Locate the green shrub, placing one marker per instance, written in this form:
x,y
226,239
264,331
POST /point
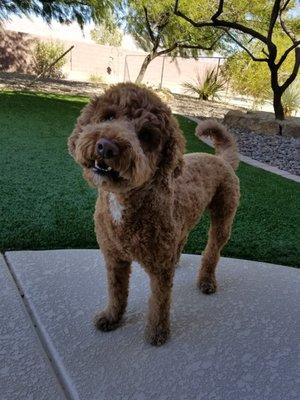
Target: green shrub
x,y
206,88
251,78
248,78
96,79
165,94
291,99
107,34
45,53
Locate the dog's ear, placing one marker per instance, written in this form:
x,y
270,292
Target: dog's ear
x,y
85,118
172,154
73,139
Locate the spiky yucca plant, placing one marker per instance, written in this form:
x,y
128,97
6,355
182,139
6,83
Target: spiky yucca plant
x,y
291,99
206,88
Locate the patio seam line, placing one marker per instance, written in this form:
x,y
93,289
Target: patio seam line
x,y
49,350
251,161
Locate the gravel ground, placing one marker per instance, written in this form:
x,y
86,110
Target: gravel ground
x,y
282,152
278,151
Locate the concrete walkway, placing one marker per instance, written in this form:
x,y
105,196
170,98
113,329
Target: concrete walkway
x,y
239,344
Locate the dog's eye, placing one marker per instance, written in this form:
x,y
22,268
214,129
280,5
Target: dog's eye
x,y
145,135
109,116
149,137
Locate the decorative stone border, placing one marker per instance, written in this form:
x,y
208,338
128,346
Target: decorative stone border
x,y
253,162
261,121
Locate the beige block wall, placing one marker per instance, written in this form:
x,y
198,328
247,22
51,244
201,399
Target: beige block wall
x,y
172,72
88,59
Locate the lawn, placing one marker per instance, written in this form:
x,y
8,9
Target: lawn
x,y
45,203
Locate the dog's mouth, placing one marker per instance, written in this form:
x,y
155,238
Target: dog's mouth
x,y
102,169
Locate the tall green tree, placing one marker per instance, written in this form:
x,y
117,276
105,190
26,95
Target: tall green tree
x,y
252,78
107,33
64,11
158,32
252,26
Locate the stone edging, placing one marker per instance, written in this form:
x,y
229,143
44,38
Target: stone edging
x,y
251,161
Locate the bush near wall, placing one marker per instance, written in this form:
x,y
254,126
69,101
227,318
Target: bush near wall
x,y
44,54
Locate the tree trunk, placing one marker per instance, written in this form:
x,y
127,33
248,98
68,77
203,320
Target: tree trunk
x,y
144,67
277,104
277,92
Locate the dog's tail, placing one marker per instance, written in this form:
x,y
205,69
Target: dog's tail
x,y
224,142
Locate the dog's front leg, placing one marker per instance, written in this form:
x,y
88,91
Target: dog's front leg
x,y
158,321
118,273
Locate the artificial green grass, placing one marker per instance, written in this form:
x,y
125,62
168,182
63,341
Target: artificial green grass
x,y
46,204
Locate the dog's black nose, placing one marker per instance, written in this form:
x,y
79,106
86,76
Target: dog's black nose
x,y
107,148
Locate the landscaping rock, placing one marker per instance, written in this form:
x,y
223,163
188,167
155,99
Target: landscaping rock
x,y
291,127
262,122
251,122
279,151
264,139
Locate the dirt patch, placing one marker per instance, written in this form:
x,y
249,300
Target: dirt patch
x,y
180,104
25,82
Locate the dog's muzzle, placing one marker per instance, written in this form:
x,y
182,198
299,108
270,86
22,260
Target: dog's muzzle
x,y
106,148
102,169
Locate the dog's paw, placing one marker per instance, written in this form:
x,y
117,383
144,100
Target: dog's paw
x,y
157,336
207,285
104,323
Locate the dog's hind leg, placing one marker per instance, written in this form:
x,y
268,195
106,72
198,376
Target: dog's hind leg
x,y
118,273
222,211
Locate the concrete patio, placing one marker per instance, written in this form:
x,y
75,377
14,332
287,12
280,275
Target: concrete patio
x,y
239,344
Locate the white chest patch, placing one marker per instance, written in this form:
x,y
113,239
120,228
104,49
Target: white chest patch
x,y
116,209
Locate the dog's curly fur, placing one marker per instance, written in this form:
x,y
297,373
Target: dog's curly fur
x,y
154,196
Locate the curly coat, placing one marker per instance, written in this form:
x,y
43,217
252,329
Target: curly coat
x,y
151,196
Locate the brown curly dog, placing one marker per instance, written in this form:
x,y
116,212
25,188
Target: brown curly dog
x,y
151,195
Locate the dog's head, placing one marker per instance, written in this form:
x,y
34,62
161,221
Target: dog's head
x,y
125,138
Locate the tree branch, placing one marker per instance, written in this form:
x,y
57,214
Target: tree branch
x,y
283,25
284,5
148,25
286,53
245,48
155,39
274,16
219,11
223,24
194,46
188,46
198,46
164,22
156,44
265,53
168,50
293,75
